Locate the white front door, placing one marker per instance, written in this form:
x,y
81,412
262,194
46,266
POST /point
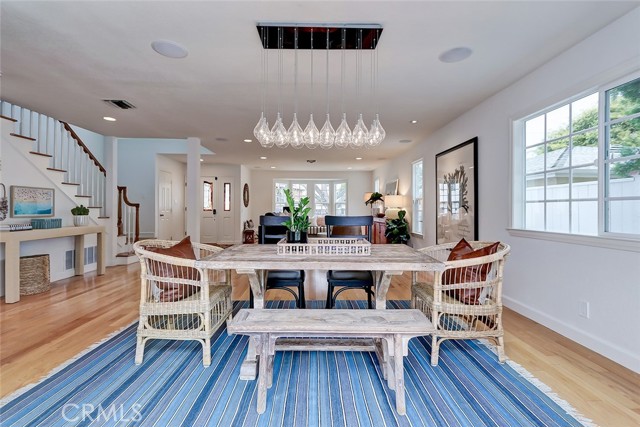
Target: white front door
x,y
209,208
165,206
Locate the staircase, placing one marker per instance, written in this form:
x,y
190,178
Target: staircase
x,y
57,152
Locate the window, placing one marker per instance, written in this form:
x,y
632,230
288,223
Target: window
x,y
376,185
416,184
577,165
207,196
227,196
325,197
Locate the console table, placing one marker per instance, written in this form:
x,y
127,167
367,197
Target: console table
x,y
12,240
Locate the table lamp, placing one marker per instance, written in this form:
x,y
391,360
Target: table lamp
x,y
394,204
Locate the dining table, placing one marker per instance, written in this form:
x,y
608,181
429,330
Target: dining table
x,y
254,261
384,261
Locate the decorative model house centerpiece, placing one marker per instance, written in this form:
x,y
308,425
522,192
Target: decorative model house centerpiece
x,y
80,216
298,222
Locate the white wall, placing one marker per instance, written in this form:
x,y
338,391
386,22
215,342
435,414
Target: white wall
x,y
261,188
544,280
137,171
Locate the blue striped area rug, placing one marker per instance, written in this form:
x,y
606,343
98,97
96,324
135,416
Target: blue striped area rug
x,y
103,387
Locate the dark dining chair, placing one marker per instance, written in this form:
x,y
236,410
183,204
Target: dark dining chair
x,y
353,227
270,232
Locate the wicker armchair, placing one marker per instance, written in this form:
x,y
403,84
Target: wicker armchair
x,y
465,300
179,301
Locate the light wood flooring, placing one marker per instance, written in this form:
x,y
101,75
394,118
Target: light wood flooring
x,y
42,331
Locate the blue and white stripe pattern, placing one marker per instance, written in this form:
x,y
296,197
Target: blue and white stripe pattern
x,y
172,388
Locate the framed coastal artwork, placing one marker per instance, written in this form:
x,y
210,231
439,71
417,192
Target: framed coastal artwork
x,y
456,193
32,202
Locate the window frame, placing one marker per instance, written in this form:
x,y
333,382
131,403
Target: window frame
x,y
517,225
417,217
311,185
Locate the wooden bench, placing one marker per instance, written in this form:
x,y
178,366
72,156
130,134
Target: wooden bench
x,y
387,332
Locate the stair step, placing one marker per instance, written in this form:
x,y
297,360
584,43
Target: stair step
x,y
40,154
22,136
8,118
104,217
94,207
56,170
82,195
125,254
69,183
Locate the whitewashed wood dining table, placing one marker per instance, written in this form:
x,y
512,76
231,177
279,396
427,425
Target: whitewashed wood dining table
x,y
385,261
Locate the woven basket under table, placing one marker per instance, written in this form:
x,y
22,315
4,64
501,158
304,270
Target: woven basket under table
x,y
34,274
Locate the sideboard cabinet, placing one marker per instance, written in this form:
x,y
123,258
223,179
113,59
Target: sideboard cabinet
x,y
379,228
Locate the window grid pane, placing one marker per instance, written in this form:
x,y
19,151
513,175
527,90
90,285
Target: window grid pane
x,y
417,182
560,158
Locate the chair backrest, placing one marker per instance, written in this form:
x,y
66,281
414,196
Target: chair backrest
x,y
271,229
349,226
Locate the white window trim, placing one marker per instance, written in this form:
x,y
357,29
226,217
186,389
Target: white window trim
x,y
413,214
310,191
604,239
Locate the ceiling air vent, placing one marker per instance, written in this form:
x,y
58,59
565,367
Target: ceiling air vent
x,y
119,103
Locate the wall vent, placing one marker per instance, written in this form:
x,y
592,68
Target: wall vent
x,y
120,103
69,259
90,257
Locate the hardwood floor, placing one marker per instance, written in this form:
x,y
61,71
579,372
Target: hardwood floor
x,y
42,331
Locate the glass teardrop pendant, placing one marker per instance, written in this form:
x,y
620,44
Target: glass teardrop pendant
x,y
256,130
296,135
279,133
360,134
343,133
327,134
381,132
311,134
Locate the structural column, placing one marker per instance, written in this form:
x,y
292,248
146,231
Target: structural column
x,y
111,198
193,189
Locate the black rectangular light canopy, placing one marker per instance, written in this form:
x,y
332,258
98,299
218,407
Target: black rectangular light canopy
x,y
356,36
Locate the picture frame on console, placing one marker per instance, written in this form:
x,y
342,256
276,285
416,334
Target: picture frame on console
x,y
32,202
456,193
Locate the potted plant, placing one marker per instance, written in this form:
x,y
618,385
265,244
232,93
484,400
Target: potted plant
x,y
398,229
374,200
298,222
80,215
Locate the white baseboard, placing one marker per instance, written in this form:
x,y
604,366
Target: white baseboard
x,y
609,350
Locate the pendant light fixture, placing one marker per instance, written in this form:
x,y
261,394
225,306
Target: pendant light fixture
x,y
343,37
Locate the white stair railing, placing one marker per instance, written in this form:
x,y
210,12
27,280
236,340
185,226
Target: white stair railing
x,y
67,152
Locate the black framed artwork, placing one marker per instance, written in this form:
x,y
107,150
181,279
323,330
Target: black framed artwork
x,y
456,193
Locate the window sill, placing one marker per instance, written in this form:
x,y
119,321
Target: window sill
x,y
631,245
417,234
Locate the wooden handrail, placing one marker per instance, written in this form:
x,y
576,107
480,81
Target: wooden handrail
x,y
122,197
84,147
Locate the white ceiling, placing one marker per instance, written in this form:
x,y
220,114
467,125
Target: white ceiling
x,y
63,58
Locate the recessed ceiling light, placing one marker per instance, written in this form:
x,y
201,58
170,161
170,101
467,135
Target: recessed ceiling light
x,y
358,158
109,119
263,158
349,167
404,141
456,54
202,160
169,49
413,122
273,167
248,140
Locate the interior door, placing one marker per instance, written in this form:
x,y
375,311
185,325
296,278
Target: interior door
x,y
209,207
165,206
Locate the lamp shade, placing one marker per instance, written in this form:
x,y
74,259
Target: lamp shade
x,y
394,203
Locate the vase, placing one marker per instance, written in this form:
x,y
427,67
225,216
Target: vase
x,y
296,237
80,220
